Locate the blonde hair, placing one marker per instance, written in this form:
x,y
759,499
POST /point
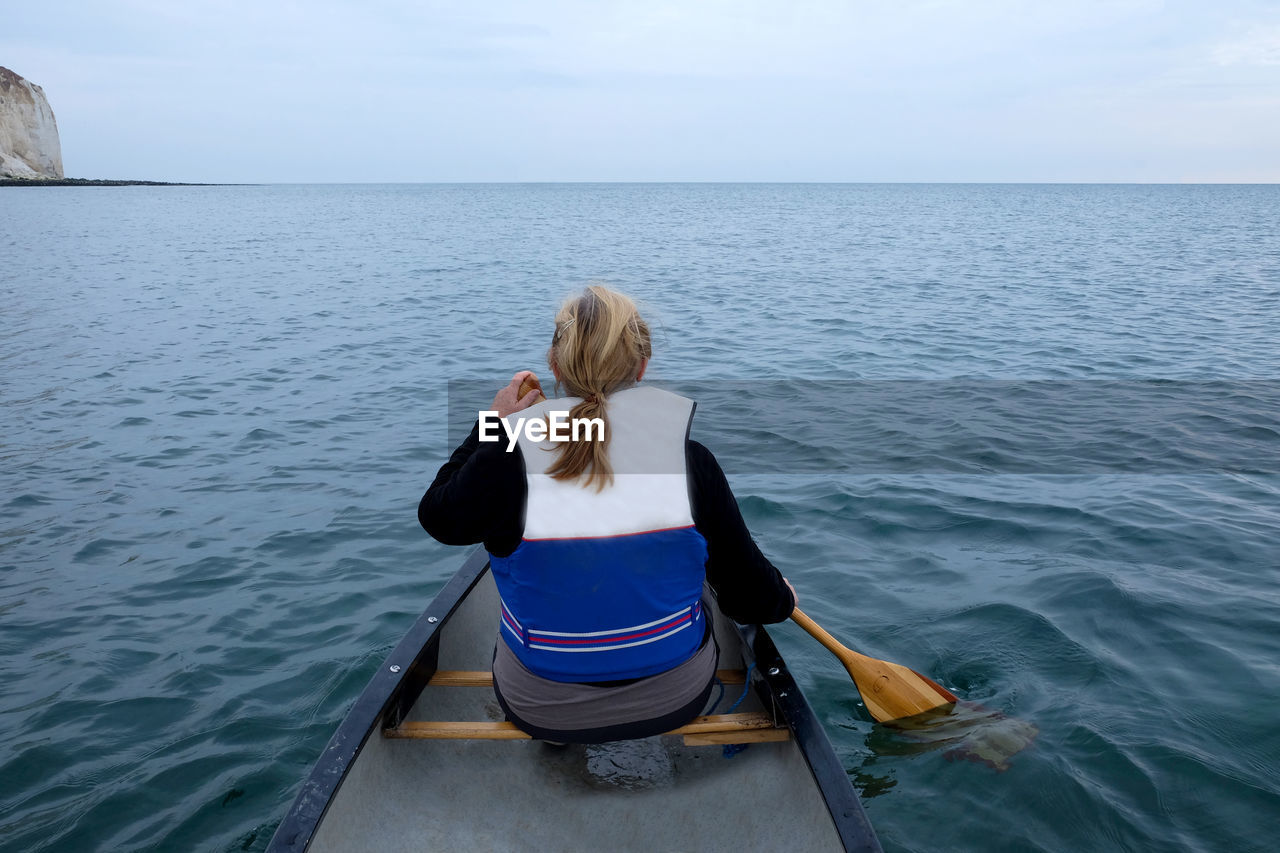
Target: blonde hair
x,y
599,345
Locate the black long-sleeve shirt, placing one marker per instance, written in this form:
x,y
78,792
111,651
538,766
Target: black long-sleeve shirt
x,y
479,496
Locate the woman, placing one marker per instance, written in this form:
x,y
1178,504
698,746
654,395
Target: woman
x,y
600,548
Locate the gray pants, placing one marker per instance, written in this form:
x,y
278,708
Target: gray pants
x,y
589,713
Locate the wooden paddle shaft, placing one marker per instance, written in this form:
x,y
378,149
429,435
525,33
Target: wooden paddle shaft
x,y
530,382
820,634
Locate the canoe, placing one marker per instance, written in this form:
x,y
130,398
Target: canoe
x,y
425,760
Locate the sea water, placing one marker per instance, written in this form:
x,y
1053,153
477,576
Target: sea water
x,y
1020,438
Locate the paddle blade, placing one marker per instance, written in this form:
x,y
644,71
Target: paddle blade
x,y
892,692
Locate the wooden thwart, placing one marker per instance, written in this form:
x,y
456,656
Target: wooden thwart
x,y
754,727
484,678
769,735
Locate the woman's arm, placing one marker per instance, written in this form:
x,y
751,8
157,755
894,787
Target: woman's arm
x,y
477,496
748,587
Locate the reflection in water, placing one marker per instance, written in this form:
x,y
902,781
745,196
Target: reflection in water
x,y
869,784
631,765
968,732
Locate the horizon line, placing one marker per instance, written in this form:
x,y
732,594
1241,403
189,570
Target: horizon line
x,y
37,181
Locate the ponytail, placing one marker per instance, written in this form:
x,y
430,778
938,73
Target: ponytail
x,y
599,346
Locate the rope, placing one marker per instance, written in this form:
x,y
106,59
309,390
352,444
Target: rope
x,y
746,687
719,696
732,749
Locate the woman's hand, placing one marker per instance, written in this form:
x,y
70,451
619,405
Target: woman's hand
x,y
794,594
508,401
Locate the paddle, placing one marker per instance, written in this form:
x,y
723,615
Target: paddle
x,y
889,690
530,382
926,712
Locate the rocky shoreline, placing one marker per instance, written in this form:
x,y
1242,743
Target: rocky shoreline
x,y
91,182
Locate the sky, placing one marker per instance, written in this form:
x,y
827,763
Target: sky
x,y
592,90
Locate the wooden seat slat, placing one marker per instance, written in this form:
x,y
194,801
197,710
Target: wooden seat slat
x,y
484,678
714,729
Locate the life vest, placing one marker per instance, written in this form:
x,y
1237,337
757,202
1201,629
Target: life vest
x,y
607,585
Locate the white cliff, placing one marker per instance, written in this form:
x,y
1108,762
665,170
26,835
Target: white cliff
x,y
29,146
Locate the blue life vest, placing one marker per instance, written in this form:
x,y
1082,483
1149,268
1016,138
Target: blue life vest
x,y
607,585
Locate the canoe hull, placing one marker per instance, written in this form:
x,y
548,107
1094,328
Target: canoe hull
x,y
371,792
